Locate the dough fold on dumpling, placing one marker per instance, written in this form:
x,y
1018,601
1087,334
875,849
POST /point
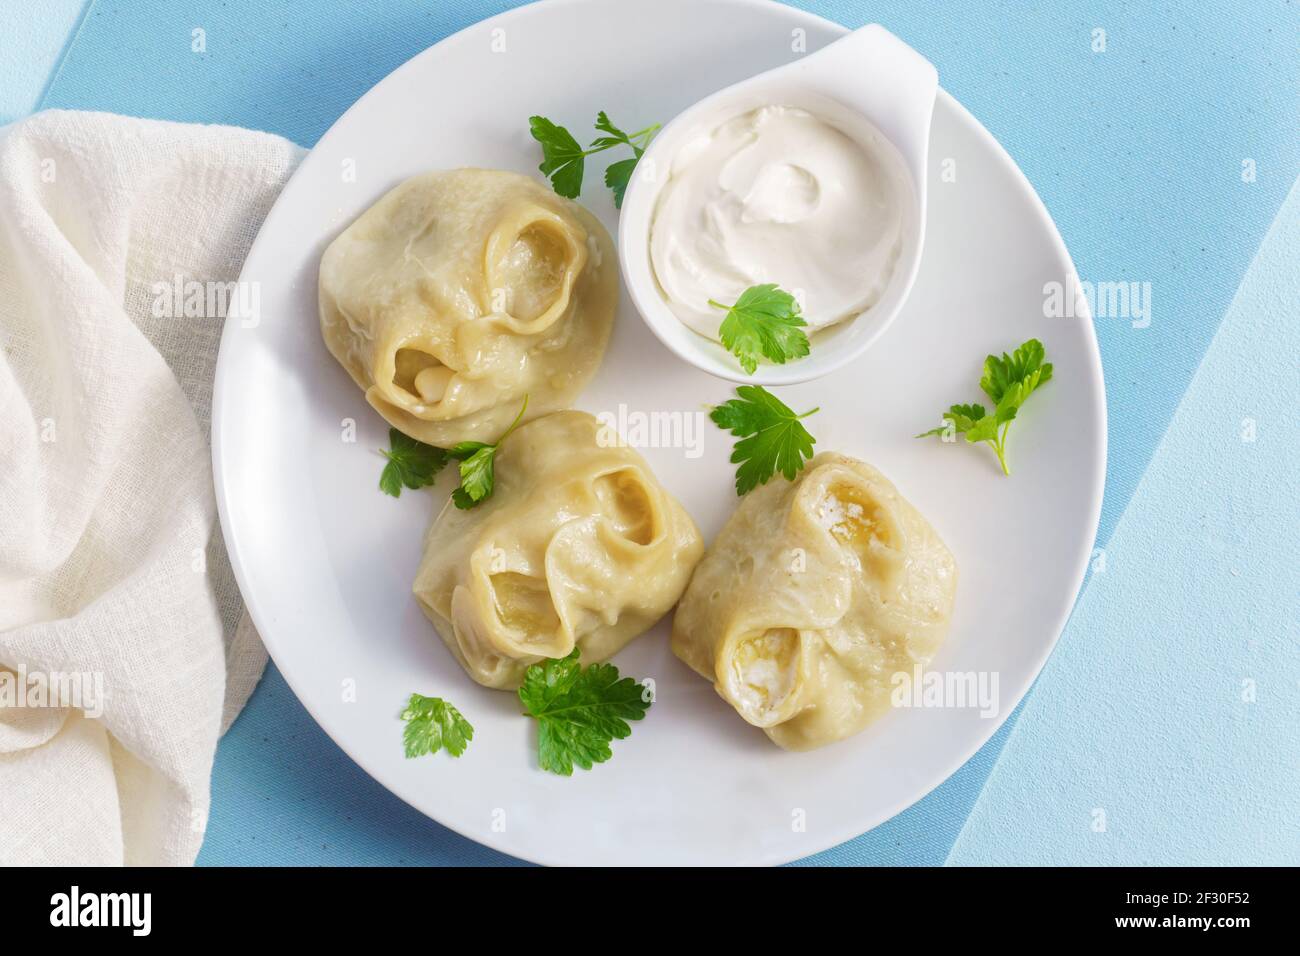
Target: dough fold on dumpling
x,y
815,593
459,292
579,545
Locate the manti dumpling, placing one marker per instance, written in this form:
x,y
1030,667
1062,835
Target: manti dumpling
x,y
815,593
578,545
459,292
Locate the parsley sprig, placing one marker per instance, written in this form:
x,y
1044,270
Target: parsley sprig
x,y
564,159
433,724
477,460
579,711
1007,381
773,437
411,464
763,323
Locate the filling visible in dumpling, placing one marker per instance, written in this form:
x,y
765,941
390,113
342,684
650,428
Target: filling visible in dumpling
x,y
805,649
460,292
859,523
421,374
578,546
764,669
533,258
625,503
523,604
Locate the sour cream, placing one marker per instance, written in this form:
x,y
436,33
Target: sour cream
x,y
776,195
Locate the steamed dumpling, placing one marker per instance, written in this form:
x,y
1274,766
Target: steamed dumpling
x,y
579,545
459,292
815,593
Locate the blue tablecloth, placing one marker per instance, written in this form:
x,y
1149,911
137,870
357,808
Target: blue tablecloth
x,y
1138,125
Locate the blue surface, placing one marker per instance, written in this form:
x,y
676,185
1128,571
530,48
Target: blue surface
x,y
30,49
1191,753
1137,152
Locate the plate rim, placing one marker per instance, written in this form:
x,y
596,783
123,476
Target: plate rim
x,y
834,836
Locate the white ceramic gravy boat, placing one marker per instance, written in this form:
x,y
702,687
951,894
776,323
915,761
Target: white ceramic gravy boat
x,y
871,86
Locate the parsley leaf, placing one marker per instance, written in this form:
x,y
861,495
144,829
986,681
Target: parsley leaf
x,y
617,176
411,464
773,437
579,711
616,135
1023,371
562,157
477,477
959,419
1008,381
431,725
564,160
477,472
764,323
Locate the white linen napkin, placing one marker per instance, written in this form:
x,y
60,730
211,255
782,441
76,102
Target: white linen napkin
x,y
116,595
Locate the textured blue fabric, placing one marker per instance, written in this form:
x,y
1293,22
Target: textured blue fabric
x,y
1137,151
30,48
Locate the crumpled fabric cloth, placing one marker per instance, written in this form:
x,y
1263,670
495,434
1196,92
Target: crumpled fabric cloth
x,y
125,651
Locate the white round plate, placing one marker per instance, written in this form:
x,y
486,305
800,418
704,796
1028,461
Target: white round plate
x,y
325,561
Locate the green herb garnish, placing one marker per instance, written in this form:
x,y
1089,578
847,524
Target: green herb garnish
x,y
579,711
477,476
1007,381
763,323
773,437
564,159
433,724
411,464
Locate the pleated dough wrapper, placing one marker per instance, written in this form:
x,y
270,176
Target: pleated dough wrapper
x,y
815,593
578,545
459,292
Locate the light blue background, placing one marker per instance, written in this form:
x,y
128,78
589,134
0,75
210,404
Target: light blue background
x,y
1137,152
